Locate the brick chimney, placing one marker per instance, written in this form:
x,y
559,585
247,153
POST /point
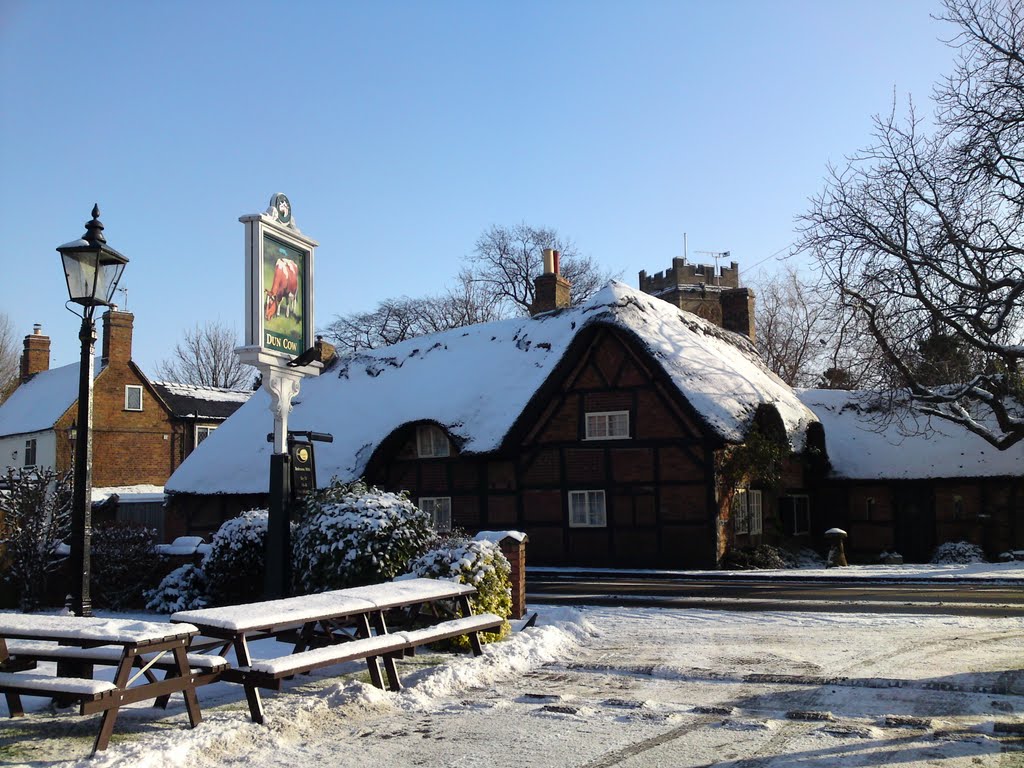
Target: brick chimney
x,y
36,356
551,290
117,336
738,311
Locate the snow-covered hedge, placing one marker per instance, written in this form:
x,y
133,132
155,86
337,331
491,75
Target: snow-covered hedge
x,y
351,535
478,563
182,589
958,552
124,564
234,565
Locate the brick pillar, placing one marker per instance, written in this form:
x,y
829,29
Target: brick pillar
x,y
117,336
514,550
36,355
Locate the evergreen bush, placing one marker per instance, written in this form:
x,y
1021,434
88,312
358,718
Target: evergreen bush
x,y
352,534
124,564
182,589
958,553
480,564
234,565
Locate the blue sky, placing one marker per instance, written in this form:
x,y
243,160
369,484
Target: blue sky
x,y
400,131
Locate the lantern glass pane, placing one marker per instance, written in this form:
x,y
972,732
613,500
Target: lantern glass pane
x,y
109,276
80,271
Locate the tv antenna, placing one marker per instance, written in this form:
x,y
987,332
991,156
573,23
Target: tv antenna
x,y
716,255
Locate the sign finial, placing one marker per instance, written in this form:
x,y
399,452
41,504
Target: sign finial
x,y
280,210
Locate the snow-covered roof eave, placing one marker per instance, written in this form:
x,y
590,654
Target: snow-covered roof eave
x,y
478,381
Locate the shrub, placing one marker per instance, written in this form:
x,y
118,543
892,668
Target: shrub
x,y
477,563
35,516
124,564
762,556
182,589
957,552
351,535
234,565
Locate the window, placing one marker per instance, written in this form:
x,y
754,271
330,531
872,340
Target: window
x,y
740,520
587,510
958,501
431,442
795,513
754,511
746,512
30,453
869,508
608,425
440,510
203,431
132,397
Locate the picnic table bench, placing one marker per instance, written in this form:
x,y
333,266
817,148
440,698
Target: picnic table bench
x,y
330,628
124,644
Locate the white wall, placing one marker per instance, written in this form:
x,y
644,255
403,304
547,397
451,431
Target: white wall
x,y
46,449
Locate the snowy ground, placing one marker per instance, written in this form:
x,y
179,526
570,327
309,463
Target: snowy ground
x,y
608,687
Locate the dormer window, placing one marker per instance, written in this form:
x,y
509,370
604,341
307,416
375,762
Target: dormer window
x,y
431,442
607,425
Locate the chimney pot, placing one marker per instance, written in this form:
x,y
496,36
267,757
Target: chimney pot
x,y
37,329
551,261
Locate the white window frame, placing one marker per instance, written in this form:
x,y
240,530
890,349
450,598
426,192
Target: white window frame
x,y
588,509
432,442
806,518
128,389
440,510
598,425
739,512
207,428
31,452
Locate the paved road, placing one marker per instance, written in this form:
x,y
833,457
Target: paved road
x,y
760,594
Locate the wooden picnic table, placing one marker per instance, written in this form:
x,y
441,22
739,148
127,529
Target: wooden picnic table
x,y
330,627
142,644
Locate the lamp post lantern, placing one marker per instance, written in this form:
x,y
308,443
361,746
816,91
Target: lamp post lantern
x,y
92,269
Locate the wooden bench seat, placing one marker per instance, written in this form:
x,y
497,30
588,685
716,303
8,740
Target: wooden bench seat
x,y
268,673
108,655
467,625
18,684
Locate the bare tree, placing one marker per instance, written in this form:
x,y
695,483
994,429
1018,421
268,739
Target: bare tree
x,y
396,320
10,358
506,260
920,235
35,516
497,282
791,327
207,357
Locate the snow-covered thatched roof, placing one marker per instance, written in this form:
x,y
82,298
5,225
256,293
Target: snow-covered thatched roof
x,y
37,403
476,381
866,444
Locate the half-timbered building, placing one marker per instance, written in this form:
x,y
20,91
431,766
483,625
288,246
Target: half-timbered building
x,y
607,432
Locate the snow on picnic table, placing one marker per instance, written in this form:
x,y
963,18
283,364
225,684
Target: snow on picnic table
x,y
92,630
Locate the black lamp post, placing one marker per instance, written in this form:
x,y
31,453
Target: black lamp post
x,y
92,269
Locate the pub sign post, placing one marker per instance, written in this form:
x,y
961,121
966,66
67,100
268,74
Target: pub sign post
x,y
279,327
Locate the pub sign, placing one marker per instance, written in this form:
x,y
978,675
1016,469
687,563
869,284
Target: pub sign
x,y
279,283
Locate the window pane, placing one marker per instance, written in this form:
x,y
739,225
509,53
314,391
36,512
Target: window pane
x,y
754,506
739,511
618,424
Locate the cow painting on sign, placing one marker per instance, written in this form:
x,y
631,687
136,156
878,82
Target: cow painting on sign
x,y
281,298
284,303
